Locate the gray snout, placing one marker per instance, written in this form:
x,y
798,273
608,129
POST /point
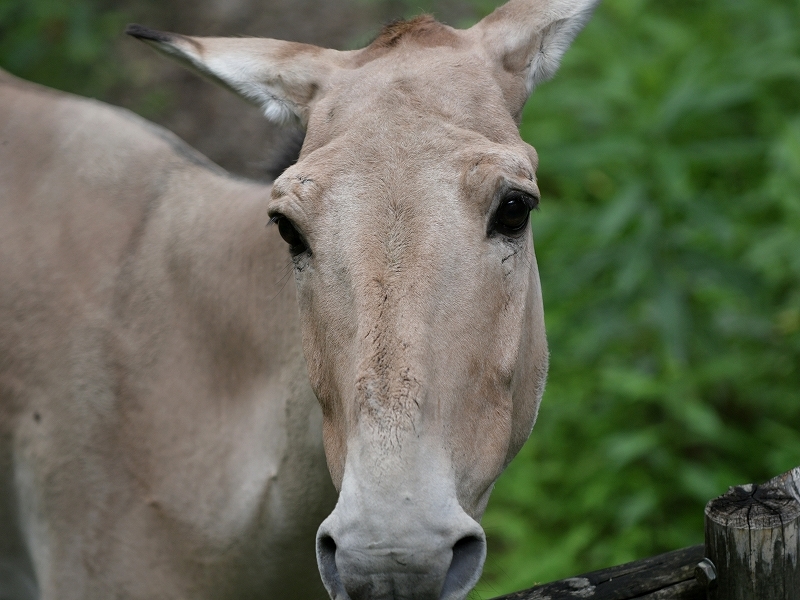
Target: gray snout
x,y
392,559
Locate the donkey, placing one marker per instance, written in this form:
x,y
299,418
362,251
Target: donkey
x,y
160,427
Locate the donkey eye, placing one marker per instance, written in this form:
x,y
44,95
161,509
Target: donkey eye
x,y
290,235
512,214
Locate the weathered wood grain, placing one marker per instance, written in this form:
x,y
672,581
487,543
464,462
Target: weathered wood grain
x,y
669,575
753,539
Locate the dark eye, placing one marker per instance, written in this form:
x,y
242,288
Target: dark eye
x,y
290,235
512,214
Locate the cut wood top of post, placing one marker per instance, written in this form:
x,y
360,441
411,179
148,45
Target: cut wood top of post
x,y
759,506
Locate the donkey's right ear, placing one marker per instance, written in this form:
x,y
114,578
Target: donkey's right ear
x,y
283,78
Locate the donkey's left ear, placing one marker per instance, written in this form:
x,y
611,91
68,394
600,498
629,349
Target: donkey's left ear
x,y
528,37
283,78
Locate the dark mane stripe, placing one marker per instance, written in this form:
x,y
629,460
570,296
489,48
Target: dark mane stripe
x,y
424,30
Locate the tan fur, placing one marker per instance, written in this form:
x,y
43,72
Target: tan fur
x,y
146,409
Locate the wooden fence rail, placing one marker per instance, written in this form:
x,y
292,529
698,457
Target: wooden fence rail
x,y
751,552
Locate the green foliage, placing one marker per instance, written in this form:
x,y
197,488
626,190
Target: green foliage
x,y
669,251
60,43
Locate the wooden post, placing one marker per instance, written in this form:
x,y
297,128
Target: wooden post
x,y
753,540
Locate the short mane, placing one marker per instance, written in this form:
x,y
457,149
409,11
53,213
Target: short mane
x,y
423,30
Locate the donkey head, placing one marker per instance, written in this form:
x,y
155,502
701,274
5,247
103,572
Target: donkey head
x,y
406,218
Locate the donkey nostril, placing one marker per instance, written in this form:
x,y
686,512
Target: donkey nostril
x,y
468,555
326,542
326,561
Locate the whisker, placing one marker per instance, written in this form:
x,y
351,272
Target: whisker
x,y
287,271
